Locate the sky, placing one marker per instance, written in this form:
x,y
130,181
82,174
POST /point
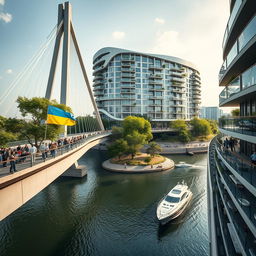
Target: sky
x,y
192,30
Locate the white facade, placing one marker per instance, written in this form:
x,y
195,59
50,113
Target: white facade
x,y
159,87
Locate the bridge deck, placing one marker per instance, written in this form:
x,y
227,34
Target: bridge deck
x,y
18,188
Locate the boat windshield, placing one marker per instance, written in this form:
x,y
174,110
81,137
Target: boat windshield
x,y
176,191
172,199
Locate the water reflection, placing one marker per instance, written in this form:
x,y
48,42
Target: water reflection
x,y
110,214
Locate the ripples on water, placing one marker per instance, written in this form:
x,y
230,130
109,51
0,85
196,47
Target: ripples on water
x,y
110,214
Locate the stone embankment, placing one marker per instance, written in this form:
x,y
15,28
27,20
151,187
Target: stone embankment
x,y
168,164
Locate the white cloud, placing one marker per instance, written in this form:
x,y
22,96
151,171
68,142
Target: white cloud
x,y
159,20
198,42
2,2
118,35
6,17
9,71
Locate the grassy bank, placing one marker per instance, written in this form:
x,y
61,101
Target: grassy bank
x,y
139,159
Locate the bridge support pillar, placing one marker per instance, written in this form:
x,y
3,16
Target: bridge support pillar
x,y
75,171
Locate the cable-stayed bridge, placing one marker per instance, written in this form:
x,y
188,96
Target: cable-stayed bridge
x,y
53,74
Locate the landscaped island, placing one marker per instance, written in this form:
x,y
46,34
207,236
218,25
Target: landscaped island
x,y
125,148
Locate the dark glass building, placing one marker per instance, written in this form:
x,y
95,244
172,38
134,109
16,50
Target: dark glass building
x,y
231,171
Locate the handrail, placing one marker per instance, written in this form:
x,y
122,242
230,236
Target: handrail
x,y
25,175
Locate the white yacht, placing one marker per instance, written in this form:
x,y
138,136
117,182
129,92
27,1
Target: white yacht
x,y
183,165
174,203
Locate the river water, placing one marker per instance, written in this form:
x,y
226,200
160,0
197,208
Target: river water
x,y
110,214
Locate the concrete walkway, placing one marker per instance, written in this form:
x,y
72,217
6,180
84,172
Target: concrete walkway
x,y
183,148
168,164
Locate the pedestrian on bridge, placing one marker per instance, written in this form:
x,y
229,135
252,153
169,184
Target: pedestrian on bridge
x,y
32,152
12,161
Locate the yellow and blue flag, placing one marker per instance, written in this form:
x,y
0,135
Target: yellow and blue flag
x,y
59,116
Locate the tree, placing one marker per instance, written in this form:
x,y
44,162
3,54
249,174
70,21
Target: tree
x,y
153,148
182,130
214,126
139,124
118,148
135,141
117,132
2,122
200,127
235,112
184,135
35,109
6,137
178,125
134,133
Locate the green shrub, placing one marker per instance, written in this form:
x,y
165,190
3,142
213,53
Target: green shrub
x,y
147,159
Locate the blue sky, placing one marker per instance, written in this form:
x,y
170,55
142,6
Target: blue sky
x,y
192,30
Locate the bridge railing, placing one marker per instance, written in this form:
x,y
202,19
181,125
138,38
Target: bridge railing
x,y
27,159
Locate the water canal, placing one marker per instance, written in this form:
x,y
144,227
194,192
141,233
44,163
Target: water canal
x,y
109,214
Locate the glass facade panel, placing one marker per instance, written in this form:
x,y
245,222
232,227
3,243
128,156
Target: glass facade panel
x,y
234,12
232,54
249,77
248,33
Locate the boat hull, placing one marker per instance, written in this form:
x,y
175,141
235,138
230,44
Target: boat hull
x,y
176,214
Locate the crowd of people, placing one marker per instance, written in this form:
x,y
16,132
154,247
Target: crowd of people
x,y
19,154
230,144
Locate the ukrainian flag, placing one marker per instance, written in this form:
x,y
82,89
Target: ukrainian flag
x,y
59,116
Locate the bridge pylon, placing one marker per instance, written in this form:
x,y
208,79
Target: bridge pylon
x,y
65,31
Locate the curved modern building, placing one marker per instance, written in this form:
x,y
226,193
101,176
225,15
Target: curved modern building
x,y
231,172
162,88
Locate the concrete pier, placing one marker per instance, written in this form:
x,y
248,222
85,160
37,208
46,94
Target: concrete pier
x,y
75,171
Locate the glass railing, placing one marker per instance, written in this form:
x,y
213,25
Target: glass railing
x,y
243,125
227,92
240,163
231,20
248,33
245,236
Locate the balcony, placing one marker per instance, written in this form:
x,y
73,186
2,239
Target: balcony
x,y
98,77
127,92
196,96
97,83
196,101
178,91
243,125
155,76
240,199
155,67
178,85
156,88
178,98
127,75
155,97
98,93
98,88
128,70
244,239
127,59
127,86
128,80
155,82
176,69
241,165
240,57
177,80
177,74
